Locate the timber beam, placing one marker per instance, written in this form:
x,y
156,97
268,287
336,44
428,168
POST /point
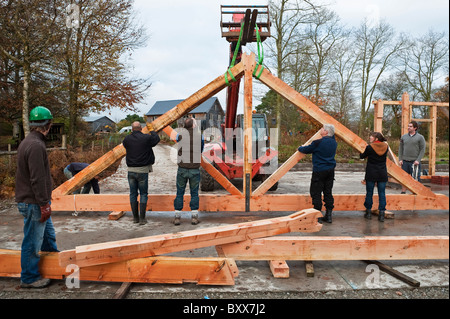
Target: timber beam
x,y
161,269
116,251
234,203
316,248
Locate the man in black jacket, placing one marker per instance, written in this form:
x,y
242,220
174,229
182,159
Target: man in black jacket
x,y
139,159
33,196
73,169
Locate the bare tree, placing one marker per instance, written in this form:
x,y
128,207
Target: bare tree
x,y
287,16
376,47
323,33
424,59
340,93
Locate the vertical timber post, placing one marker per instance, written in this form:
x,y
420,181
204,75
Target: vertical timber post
x,y
432,141
249,65
406,113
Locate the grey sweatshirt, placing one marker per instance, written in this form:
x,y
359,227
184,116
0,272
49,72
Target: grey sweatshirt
x,y
412,148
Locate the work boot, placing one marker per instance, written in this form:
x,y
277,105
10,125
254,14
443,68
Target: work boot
x,y
135,211
194,218
143,209
40,283
176,220
381,215
368,214
327,218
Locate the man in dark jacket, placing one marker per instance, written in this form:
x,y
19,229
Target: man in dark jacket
x,y
73,169
139,159
323,152
33,195
190,148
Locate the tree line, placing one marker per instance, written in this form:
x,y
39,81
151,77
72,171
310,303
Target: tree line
x,y
74,55
344,69
69,55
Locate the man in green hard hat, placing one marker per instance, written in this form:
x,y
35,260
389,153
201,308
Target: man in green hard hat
x,y
33,195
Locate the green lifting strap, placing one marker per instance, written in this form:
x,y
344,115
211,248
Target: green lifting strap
x,y
260,54
233,61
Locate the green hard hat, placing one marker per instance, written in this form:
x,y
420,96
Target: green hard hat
x,y
40,113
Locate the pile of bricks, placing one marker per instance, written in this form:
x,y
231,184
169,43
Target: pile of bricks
x,y
441,180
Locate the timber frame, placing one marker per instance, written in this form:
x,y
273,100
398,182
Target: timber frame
x,y
139,260
407,105
422,197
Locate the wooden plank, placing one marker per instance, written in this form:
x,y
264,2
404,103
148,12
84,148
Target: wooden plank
x,y
110,252
116,215
233,203
283,169
340,130
339,248
395,273
122,291
161,269
158,124
279,268
309,267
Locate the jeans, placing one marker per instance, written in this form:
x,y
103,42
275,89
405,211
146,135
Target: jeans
x,y
185,175
138,182
381,187
322,182
407,166
37,236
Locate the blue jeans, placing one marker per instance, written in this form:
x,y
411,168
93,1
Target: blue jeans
x,y
185,175
408,167
37,236
381,187
138,182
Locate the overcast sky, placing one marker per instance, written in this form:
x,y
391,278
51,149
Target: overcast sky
x,y
185,50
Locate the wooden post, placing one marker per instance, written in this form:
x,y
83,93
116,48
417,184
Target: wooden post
x,y
378,116
406,113
249,65
432,141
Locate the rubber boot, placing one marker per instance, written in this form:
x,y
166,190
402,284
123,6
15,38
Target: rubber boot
x,y
194,218
368,214
328,216
176,220
381,216
134,210
142,211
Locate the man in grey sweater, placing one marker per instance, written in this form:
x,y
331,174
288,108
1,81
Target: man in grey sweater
x,y
411,151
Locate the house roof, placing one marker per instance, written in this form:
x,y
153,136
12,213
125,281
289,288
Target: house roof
x,y
161,107
90,119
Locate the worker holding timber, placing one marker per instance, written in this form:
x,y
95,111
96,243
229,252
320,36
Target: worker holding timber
x,y
323,153
33,195
74,168
139,159
190,145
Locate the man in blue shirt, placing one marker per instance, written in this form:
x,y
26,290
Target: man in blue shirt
x,y
323,153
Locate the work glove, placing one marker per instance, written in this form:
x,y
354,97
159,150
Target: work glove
x,y
46,211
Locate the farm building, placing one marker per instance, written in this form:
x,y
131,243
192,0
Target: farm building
x,y
100,124
209,113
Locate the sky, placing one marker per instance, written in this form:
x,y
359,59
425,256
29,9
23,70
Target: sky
x,y
185,50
